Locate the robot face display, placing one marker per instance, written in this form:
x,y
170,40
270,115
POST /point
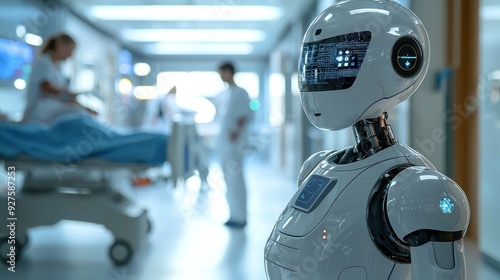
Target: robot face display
x,y
360,58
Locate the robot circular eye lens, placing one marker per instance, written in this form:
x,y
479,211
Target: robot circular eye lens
x,y
406,57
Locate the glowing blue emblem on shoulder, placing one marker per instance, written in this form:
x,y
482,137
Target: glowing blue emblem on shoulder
x,y
446,205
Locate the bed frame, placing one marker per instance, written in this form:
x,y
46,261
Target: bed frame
x,y
51,192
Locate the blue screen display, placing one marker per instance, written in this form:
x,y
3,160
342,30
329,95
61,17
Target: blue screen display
x,y
332,63
15,60
315,189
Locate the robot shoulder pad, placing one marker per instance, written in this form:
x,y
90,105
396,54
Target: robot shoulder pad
x,y
424,205
310,164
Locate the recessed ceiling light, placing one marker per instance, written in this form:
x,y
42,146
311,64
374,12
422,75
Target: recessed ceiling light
x,y
193,35
142,69
33,39
185,12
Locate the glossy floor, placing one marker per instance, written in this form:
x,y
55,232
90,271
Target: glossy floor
x,y
188,240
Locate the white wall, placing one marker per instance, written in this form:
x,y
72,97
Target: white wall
x,y
489,116
427,105
99,53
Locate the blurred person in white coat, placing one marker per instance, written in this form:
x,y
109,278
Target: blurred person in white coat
x,y
48,96
235,116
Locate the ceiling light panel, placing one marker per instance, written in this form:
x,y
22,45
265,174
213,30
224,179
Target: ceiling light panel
x,y
185,12
198,49
193,35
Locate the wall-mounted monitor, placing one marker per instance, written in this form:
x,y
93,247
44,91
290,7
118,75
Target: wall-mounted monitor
x,y
15,61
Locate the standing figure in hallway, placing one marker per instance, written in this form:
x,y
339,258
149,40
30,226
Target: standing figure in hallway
x,y
376,210
235,118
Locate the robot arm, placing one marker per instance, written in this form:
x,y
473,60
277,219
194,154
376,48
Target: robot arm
x,y
438,260
431,213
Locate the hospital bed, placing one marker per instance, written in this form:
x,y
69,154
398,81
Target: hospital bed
x,y
82,191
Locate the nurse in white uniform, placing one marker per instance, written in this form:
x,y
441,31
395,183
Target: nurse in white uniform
x,y
47,95
236,115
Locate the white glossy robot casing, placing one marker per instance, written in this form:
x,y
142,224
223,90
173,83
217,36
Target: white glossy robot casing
x,y
377,87
412,202
335,235
377,210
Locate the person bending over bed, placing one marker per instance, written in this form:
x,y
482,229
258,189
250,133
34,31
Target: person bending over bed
x,y
73,138
47,95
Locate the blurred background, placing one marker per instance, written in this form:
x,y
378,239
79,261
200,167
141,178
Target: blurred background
x,y
130,54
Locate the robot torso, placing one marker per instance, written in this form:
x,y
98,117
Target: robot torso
x,y
334,227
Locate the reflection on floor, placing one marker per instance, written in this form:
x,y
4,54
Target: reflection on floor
x,y
188,240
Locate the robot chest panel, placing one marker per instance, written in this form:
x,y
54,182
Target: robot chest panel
x,y
340,195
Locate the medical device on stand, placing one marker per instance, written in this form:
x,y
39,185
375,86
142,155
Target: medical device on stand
x,y
378,209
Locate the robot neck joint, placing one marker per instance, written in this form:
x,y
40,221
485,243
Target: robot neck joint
x,y
373,135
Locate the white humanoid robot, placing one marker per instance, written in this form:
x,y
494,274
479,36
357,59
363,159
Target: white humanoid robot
x,y
376,210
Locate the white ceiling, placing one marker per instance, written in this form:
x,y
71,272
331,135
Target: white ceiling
x,y
261,36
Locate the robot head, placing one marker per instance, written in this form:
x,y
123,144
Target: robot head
x,y
360,58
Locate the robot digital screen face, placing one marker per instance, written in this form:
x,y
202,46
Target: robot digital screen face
x,y
332,63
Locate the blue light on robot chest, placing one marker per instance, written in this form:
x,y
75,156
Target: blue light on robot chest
x,y
446,205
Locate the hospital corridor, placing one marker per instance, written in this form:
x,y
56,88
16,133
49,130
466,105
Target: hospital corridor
x,y
249,140
187,241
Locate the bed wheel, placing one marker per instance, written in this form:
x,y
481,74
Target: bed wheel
x,y
120,252
5,250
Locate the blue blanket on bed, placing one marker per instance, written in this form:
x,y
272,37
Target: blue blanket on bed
x,y
74,138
